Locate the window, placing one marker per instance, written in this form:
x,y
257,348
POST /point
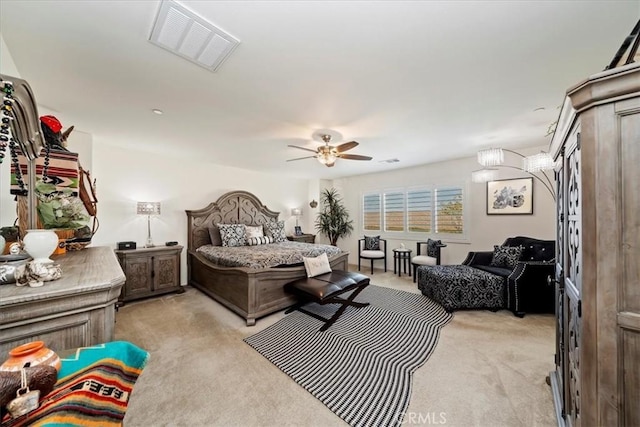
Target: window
x,y
394,211
371,212
438,210
449,218
419,211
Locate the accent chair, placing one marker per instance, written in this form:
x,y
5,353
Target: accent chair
x,y
372,248
431,250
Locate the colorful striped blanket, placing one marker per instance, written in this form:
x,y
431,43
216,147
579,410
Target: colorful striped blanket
x,y
63,170
93,388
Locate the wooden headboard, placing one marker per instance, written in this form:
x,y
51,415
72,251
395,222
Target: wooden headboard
x,y
234,207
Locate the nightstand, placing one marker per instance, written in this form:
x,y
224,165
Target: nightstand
x,y
304,238
150,271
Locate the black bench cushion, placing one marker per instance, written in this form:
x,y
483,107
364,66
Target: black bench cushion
x,y
328,284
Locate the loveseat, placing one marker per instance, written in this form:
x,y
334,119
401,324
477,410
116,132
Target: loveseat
x,y
513,276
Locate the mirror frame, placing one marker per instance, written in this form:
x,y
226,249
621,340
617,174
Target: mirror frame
x,y
25,131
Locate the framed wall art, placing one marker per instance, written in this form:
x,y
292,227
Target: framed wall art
x,y
510,197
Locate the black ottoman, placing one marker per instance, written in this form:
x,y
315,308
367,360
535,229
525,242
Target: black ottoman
x,y
326,289
461,286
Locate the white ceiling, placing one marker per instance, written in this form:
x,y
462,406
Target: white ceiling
x,y
417,81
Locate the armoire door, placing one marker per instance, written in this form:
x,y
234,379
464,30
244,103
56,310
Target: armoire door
x,y
572,279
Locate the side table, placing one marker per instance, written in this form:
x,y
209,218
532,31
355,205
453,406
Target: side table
x,y
401,257
304,238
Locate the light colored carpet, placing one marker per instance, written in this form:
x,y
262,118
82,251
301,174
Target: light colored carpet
x,y
488,369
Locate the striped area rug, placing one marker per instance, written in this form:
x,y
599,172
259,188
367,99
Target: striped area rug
x,y
361,368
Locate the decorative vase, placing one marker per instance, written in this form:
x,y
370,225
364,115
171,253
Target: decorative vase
x,y
35,353
40,244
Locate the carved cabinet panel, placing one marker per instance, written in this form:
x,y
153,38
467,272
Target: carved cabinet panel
x,y
150,271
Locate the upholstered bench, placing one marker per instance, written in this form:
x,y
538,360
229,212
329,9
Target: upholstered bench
x,y
461,286
326,289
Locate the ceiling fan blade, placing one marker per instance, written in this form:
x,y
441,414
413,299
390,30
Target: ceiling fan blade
x,y
301,158
354,157
346,146
302,148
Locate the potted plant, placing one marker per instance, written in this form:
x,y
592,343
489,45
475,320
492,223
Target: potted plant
x,y
60,209
333,219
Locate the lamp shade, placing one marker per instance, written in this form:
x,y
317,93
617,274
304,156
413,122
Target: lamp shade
x,y
148,208
538,162
491,157
296,212
484,175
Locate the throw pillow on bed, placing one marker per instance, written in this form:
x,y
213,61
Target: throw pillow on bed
x,y
254,231
276,230
506,256
371,243
316,266
232,234
254,241
214,235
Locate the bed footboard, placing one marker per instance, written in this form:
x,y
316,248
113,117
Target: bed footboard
x,y
250,293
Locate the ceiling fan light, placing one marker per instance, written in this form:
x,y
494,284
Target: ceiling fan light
x,y
327,158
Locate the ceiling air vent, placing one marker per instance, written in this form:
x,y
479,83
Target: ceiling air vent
x,y
184,33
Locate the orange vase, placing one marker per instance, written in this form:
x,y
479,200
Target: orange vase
x,y
35,353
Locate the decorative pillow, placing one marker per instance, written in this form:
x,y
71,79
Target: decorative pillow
x,y
232,234
506,256
316,266
263,240
432,247
276,230
371,243
253,231
214,235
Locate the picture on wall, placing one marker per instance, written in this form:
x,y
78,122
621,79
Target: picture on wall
x,y
510,197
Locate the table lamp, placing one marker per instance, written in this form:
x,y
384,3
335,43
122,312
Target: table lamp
x,y
148,209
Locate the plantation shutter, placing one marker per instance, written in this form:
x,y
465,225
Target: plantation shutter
x,y
419,211
449,218
394,211
371,212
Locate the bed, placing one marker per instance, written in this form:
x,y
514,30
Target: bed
x,y
251,292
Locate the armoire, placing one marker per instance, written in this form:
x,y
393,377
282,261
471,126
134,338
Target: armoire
x,y
596,381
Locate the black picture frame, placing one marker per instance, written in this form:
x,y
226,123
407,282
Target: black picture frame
x,y
510,196
298,230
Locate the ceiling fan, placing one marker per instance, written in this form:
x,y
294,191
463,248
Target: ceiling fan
x,y
328,154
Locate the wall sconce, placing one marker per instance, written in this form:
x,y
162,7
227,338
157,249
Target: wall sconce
x,y
148,209
313,204
535,165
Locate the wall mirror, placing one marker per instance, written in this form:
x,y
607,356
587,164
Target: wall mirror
x,y
24,125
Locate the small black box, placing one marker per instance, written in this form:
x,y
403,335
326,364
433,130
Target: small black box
x,y
126,245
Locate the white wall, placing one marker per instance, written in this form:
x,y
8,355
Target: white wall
x,y
126,176
485,230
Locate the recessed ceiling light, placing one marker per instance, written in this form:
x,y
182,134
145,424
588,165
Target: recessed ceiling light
x,y
157,111
539,109
389,161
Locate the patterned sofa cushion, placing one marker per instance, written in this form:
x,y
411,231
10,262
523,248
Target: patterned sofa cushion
x,y
506,256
